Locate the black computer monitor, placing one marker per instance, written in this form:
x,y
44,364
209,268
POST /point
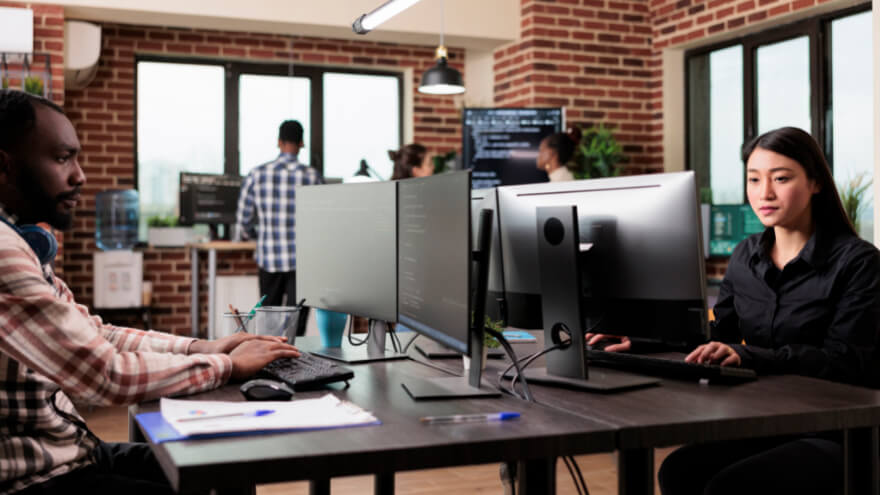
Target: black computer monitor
x,y
501,145
434,275
346,253
210,199
639,259
487,199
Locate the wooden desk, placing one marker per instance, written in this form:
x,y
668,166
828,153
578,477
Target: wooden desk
x,y
211,248
401,443
680,412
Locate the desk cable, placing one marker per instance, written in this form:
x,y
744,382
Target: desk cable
x,y
351,339
509,471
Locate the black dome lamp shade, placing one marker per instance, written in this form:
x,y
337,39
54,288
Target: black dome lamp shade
x,y
441,79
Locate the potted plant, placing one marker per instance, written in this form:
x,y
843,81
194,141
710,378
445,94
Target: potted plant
x,y
598,154
444,162
163,231
33,85
489,342
852,195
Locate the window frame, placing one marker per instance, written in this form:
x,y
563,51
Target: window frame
x,y
817,30
232,72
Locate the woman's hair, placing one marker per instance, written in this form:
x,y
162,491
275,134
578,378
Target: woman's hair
x,y
801,147
564,143
405,159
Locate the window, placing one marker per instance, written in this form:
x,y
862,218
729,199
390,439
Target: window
x,y
361,122
191,141
815,74
214,117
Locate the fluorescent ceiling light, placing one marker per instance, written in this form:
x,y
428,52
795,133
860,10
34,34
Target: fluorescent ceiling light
x,y
368,22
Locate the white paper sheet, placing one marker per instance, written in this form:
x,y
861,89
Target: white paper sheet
x,y
325,412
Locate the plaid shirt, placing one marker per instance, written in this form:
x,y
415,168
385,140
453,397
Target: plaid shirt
x,y
52,350
266,210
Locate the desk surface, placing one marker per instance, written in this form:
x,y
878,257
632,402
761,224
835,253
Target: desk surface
x,y
400,443
677,412
224,246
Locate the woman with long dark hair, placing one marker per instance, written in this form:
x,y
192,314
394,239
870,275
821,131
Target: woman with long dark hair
x,y
803,297
412,160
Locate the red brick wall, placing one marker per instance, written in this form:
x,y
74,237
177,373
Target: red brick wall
x,y
595,58
103,114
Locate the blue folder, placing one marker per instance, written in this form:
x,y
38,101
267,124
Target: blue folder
x,y
160,430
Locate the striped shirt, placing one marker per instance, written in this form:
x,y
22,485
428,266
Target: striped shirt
x,y
266,210
52,351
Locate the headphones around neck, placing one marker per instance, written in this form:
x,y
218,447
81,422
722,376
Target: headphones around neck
x,y
41,241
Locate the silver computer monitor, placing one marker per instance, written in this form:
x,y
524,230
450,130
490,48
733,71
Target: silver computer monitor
x,y
642,260
346,248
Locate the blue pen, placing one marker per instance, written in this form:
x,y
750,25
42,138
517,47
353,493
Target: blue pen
x,y
261,412
469,418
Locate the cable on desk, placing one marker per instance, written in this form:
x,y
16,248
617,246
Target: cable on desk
x,y
410,343
351,339
391,330
512,355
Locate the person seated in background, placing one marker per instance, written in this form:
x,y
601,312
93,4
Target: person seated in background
x,y
412,160
555,154
805,297
52,351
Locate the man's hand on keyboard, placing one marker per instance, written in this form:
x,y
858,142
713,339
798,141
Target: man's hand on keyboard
x,y
617,344
714,353
228,343
251,355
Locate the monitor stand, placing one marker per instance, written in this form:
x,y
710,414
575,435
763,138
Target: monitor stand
x,y
471,385
559,255
373,350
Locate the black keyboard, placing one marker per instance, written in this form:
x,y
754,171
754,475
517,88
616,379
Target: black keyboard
x,y
306,372
655,366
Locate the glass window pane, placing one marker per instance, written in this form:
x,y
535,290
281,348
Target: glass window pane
x,y
179,128
726,125
783,89
852,104
715,123
361,121
264,103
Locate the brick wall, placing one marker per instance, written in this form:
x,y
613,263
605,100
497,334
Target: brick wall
x,y
103,114
595,58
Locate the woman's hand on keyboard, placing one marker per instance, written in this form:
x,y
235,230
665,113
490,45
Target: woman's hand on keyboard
x,y
250,356
714,353
228,343
610,343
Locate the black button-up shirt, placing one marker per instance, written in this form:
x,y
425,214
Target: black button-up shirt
x,y
818,316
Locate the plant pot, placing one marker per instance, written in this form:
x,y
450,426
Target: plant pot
x,y
170,236
466,360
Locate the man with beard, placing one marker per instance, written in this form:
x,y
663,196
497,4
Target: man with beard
x,y
52,350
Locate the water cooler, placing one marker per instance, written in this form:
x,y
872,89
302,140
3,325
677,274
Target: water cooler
x,y
117,269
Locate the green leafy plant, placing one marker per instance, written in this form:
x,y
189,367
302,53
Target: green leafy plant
x,y
852,195
162,221
33,85
706,195
488,340
598,154
441,161
4,82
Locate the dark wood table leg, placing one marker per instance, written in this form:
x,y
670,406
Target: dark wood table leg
x,y
134,432
635,472
536,476
383,484
861,461
319,487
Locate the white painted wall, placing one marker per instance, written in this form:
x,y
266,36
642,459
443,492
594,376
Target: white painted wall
x,y
876,134
482,24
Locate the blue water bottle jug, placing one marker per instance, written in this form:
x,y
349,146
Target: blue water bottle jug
x,y
116,219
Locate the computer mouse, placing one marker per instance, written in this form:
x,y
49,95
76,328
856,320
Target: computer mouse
x,y
264,389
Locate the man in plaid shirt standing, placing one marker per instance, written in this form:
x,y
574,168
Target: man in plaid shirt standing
x,y
266,212
52,351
